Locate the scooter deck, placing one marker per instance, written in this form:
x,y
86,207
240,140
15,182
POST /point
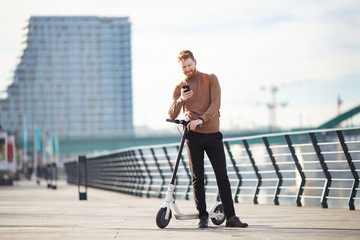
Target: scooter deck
x,y
186,216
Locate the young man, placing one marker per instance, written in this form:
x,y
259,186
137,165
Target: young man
x,y
201,106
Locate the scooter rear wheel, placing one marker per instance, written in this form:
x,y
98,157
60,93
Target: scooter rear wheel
x,y
219,209
161,222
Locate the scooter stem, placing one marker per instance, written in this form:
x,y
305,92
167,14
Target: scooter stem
x,y
179,156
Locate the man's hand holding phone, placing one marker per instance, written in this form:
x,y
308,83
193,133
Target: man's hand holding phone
x,y
186,93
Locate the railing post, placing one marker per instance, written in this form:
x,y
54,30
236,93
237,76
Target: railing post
x,y
160,172
168,159
132,165
141,178
82,160
324,168
122,173
148,173
55,175
352,169
131,168
238,175
277,170
256,170
299,169
48,175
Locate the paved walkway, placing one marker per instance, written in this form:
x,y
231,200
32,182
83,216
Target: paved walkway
x,y
28,211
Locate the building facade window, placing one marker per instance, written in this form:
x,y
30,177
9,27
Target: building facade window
x,y
74,78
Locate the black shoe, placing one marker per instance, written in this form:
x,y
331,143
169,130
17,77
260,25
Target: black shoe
x,y
204,222
234,221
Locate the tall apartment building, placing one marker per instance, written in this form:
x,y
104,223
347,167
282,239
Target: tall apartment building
x,y
73,79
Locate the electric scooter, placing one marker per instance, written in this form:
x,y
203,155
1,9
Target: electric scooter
x,y
216,213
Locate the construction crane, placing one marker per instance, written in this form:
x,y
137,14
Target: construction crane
x,y
273,105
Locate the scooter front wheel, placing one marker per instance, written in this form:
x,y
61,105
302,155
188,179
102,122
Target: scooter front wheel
x,y
161,222
219,220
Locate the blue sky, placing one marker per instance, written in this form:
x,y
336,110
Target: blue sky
x,y
310,50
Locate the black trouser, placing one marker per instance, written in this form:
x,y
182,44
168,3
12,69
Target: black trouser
x,y
212,144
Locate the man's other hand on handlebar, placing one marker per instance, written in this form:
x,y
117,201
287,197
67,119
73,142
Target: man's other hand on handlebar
x,y
194,123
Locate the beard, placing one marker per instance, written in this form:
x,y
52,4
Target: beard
x,y
190,73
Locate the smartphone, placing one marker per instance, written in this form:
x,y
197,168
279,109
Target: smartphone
x,y
186,87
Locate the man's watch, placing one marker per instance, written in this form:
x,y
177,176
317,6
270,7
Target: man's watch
x,y
201,119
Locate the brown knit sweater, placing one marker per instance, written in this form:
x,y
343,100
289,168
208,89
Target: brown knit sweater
x,y
204,103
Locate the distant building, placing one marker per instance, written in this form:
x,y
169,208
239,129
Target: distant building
x,y
73,79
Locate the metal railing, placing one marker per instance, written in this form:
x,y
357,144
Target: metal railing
x,y
307,168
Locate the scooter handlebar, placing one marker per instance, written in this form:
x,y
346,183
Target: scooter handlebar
x,y
182,122
178,121
170,120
